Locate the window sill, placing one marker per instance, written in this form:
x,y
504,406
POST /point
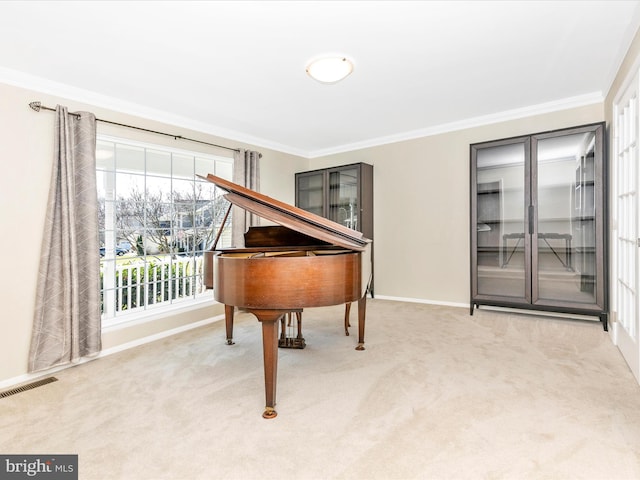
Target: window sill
x,y
153,315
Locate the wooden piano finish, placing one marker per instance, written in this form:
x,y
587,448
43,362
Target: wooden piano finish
x,y
305,261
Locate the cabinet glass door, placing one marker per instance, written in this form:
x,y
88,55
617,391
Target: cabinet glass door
x,y
310,192
565,264
501,242
343,197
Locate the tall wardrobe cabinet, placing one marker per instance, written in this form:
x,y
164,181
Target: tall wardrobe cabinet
x,y
539,222
343,194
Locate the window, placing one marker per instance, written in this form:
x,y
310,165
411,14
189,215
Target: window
x,y
157,218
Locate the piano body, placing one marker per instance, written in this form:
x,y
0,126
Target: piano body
x,y
303,261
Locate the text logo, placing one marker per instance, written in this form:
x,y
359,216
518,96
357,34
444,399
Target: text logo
x,y
49,467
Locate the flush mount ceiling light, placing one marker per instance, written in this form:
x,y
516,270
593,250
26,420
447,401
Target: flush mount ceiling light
x,y
329,69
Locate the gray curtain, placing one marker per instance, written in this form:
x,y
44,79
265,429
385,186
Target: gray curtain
x,y
67,323
246,172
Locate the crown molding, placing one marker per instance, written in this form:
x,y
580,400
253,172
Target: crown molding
x,y
549,107
48,87
39,84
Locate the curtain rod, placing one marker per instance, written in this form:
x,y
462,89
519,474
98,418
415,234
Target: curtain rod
x,y
37,106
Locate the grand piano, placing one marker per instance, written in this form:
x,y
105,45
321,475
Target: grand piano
x,y
303,261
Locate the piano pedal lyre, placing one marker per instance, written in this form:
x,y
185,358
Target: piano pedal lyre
x,y
291,335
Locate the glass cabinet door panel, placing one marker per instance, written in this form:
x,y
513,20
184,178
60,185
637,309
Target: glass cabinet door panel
x,y
343,197
501,236
564,254
310,193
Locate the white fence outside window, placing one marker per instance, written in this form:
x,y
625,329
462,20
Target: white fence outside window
x,y
140,285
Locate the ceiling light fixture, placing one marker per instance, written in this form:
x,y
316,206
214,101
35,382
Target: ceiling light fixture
x,y
330,69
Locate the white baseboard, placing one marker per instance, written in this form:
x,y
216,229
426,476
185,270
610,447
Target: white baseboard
x,y
422,300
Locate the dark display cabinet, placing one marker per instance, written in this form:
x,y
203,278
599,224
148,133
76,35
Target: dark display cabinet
x,y
343,194
539,222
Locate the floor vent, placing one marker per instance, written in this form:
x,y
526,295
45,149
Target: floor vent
x,y
28,386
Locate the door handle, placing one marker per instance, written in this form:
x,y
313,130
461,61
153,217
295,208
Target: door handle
x,y
531,223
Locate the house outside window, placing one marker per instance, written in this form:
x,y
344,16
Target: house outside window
x,y
157,218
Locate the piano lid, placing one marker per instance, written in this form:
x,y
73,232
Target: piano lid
x,y
289,216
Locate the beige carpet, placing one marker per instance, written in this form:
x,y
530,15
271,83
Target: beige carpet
x,y
437,394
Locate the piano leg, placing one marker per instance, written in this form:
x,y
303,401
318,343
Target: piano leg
x,y
228,320
347,311
362,310
269,320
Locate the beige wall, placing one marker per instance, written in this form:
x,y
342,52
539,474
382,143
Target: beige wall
x,y
421,205
26,146
629,66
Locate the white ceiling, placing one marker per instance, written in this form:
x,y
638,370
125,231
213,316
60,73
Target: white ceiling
x,y
237,68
